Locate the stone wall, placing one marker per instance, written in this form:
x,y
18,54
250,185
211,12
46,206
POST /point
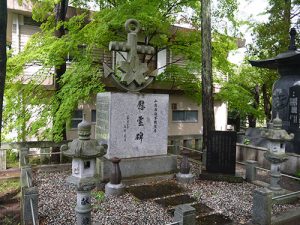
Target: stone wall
x,y
249,152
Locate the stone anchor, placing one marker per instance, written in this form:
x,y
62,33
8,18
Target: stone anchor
x,y
134,76
83,152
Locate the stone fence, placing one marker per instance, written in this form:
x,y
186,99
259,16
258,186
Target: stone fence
x,y
29,193
263,200
45,148
249,152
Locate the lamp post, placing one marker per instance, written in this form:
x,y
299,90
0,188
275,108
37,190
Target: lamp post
x,y
83,152
276,151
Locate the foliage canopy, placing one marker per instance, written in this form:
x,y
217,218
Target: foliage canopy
x,y
90,30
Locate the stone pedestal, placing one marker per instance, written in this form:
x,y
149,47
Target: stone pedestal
x,y
139,166
83,207
185,178
251,170
114,189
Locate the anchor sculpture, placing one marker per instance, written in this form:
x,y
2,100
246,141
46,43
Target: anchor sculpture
x,y
134,74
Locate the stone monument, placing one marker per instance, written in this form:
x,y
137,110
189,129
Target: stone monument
x,y
134,125
286,90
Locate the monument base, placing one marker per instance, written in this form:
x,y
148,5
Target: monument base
x,y
114,189
185,178
139,166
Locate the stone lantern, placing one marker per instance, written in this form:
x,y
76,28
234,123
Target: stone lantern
x,y
276,151
84,152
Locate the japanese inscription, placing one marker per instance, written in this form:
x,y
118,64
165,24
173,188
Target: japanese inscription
x,y
85,201
140,120
138,124
155,117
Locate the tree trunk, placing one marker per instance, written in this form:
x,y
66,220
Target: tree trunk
x,y
61,11
267,103
206,73
3,25
251,117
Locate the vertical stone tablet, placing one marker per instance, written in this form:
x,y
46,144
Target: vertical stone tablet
x,y
133,125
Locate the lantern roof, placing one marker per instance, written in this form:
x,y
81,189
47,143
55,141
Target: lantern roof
x,y
277,133
84,147
287,59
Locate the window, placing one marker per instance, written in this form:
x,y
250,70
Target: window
x,y
93,116
185,116
77,118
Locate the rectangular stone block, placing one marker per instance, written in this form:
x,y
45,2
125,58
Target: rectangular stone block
x,y
133,125
26,176
251,170
29,205
2,159
185,215
136,167
262,206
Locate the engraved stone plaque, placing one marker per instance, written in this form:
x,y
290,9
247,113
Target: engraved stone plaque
x,y
133,125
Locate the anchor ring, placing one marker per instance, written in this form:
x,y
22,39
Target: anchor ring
x,y
132,26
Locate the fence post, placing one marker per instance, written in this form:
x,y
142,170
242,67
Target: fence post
x,y
251,170
24,156
198,144
26,176
176,143
29,206
185,215
262,206
2,159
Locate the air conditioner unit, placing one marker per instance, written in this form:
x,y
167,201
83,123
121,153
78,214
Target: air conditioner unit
x,y
174,106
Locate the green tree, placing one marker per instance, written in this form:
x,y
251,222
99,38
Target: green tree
x,y
272,38
86,32
249,90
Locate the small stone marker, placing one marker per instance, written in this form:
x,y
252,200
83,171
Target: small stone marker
x,y
184,176
115,187
185,215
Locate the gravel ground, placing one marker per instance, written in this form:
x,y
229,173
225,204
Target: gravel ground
x,y
57,202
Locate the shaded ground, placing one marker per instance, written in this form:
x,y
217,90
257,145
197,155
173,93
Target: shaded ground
x,y
145,192
170,194
10,208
